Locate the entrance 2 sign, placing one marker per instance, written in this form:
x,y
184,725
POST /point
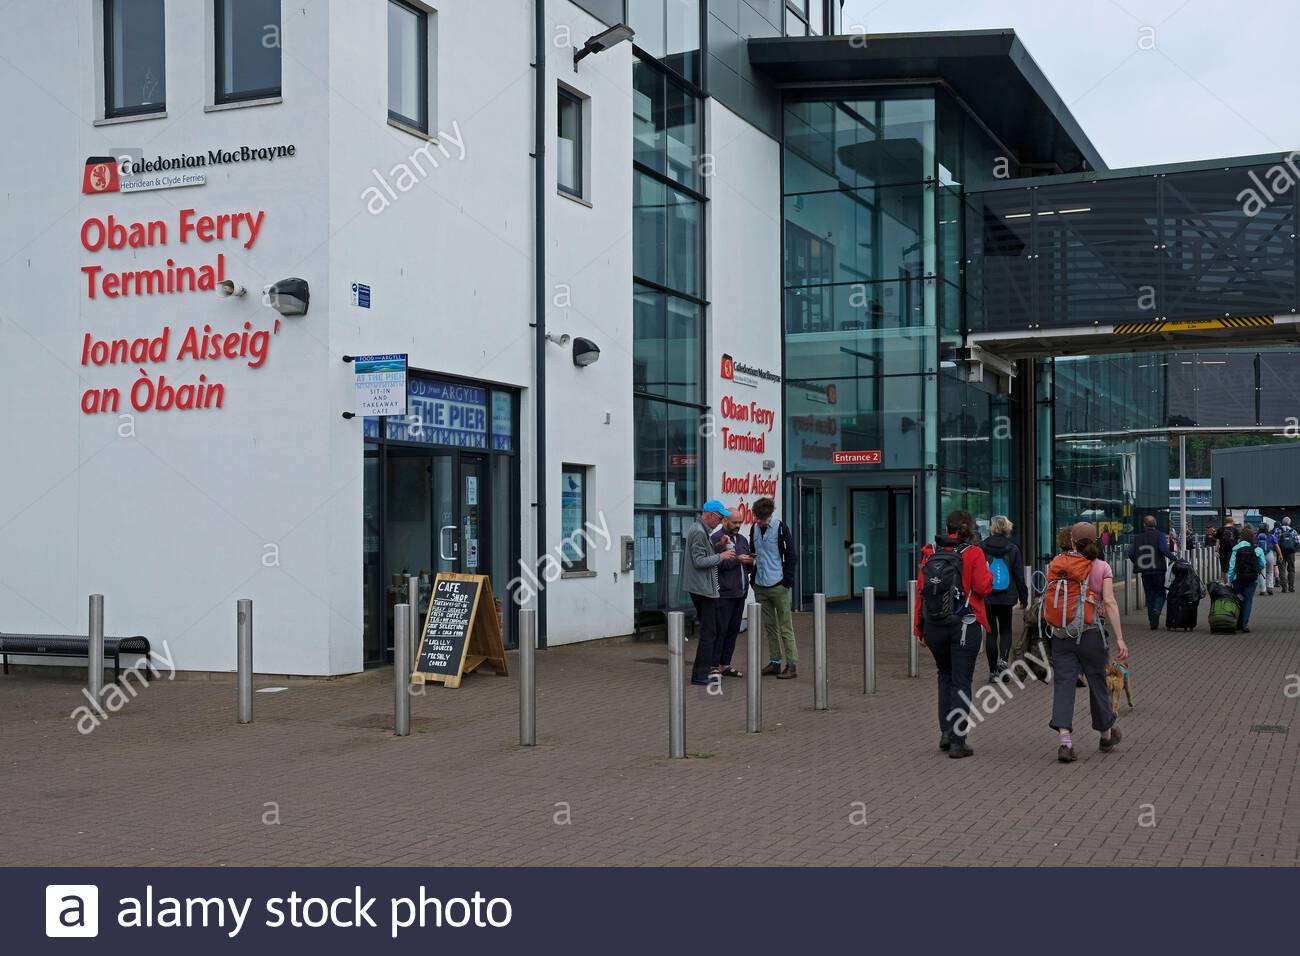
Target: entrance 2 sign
x,y
381,384
856,458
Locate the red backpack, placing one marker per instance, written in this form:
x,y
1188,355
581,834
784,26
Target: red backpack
x,y
1068,603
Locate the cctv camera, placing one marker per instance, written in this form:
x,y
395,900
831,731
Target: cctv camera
x,y
226,288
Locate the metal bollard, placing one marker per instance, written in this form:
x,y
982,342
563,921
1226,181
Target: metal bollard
x,y
95,654
413,599
244,654
1128,585
528,678
914,648
676,681
754,640
402,670
820,689
868,640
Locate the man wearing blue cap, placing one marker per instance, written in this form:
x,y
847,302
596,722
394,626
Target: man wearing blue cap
x,y
700,580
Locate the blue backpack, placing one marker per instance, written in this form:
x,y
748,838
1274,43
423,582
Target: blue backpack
x,y
1001,574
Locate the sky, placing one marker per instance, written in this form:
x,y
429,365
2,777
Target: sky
x,y
1150,81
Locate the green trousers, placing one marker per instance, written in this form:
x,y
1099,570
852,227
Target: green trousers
x,y
777,623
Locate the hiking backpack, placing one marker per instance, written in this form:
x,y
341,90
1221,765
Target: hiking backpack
x,y
1001,573
942,599
1289,539
1068,604
1227,539
1225,611
1247,567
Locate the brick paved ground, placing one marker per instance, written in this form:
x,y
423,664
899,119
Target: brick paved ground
x,y
173,780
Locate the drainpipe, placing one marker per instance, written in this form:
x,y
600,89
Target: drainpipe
x,y
539,306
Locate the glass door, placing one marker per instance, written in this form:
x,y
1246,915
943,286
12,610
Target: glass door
x,y
882,545
904,538
811,574
474,542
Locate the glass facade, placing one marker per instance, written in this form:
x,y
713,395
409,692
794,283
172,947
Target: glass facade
x,y
669,308
859,308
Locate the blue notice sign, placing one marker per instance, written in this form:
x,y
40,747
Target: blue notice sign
x,y
361,295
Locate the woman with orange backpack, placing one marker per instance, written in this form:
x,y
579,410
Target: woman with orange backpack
x,y
951,620
1078,609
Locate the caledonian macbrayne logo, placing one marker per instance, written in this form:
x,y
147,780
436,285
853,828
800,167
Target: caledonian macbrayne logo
x,y
102,175
728,367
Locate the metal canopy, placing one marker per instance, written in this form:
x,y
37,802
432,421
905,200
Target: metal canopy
x,y
989,69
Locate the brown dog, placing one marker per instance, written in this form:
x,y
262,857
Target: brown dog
x,y
1116,681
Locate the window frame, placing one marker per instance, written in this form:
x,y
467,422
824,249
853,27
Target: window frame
x,y
579,103
581,564
148,109
220,98
423,123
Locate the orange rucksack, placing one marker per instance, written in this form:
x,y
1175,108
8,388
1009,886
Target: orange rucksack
x,y
1068,603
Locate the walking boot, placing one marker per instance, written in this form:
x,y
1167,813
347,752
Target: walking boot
x,y
771,670
790,673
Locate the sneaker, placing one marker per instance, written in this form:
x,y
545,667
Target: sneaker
x,y
1106,746
790,673
958,749
771,670
993,677
945,742
1066,754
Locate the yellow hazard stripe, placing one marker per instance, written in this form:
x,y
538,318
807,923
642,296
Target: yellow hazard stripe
x,y
1139,328
1188,325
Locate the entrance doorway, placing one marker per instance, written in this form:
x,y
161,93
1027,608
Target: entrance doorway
x,y
882,540
431,507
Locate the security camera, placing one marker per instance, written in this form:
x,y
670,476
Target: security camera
x,y
559,338
226,288
288,296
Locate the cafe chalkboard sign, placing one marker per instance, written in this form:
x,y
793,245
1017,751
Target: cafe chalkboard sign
x,y
461,631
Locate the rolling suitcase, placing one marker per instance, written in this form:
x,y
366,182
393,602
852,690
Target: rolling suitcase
x,y
1181,613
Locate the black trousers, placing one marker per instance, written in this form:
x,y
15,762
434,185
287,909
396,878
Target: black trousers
x,y
1286,570
998,647
706,612
731,611
1089,656
955,653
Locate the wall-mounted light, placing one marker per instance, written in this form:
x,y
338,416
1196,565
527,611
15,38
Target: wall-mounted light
x,y
288,296
585,352
603,41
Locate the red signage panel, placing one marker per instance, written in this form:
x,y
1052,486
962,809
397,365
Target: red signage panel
x,y
856,457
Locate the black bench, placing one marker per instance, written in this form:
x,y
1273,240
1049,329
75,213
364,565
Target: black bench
x,y
70,645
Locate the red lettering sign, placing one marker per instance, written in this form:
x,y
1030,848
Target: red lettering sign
x,y
856,458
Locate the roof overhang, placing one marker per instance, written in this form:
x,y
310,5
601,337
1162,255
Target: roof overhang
x,y
990,70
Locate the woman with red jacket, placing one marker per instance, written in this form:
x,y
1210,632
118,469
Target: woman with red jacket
x,y
951,620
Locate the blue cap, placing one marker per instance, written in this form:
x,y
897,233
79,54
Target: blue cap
x,y
717,507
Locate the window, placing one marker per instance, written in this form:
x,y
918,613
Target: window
x,y
134,60
408,65
573,518
569,143
669,31
247,50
